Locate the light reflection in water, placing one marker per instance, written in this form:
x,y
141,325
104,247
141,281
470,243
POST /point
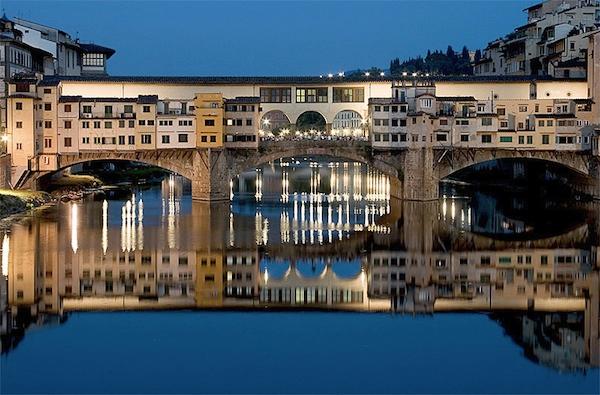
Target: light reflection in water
x,y
74,226
403,256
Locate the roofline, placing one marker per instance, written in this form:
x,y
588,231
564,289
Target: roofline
x,y
287,80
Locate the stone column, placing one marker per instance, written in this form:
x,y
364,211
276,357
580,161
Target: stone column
x,y
210,175
420,181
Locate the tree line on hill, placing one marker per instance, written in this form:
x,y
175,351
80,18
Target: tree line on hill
x,y
437,62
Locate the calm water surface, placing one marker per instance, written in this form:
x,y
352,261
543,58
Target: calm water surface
x,y
311,279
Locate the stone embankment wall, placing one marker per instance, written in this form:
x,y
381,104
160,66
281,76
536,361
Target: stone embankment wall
x,y
5,171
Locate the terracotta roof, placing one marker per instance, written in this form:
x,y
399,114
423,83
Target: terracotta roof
x,y
243,100
456,98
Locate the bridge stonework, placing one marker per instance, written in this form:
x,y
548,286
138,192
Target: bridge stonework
x,y
414,173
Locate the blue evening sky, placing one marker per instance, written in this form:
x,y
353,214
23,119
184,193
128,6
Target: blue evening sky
x,y
270,37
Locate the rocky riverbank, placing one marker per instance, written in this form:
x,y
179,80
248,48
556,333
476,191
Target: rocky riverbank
x,y
14,202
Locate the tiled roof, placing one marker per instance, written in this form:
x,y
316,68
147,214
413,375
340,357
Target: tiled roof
x,y
69,99
564,115
243,100
94,48
23,96
147,99
456,98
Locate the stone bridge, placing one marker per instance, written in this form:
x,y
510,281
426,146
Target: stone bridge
x,y
414,172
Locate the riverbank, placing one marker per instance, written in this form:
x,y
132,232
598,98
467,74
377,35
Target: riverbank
x,y
14,202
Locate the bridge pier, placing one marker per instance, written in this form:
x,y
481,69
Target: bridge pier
x,y
420,181
210,175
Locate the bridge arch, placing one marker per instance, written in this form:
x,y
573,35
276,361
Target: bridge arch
x,y
274,121
459,160
311,120
347,119
175,161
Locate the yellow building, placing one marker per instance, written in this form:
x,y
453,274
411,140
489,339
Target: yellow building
x,y
209,120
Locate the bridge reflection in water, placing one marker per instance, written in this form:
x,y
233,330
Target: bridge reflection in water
x,y
297,242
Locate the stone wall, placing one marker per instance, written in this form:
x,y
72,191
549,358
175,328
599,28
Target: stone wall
x,y
5,171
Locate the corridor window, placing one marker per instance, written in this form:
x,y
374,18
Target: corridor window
x,y
166,139
146,139
426,103
486,138
311,95
276,95
348,95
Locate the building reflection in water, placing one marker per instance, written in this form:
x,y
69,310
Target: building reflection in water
x,y
323,236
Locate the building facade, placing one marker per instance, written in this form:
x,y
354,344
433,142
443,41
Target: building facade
x,y
552,42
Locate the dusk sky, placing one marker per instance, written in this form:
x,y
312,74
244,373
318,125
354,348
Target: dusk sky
x,y
271,38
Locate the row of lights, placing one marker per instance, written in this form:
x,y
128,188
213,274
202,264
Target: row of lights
x,y
368,74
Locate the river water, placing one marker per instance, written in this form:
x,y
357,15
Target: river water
x,y
311,279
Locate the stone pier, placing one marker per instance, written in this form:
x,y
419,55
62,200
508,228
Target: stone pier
x,y
420,180
210,175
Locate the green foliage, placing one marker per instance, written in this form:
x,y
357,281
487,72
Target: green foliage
x,y
436,62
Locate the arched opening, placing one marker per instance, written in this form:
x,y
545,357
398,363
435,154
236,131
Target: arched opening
x,y
542,176
311,120
275,121
349,123
86,174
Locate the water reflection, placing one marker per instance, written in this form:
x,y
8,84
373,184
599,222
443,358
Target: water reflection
x,y
323,236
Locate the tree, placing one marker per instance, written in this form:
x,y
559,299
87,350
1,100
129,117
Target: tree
x,y
465,53
477,55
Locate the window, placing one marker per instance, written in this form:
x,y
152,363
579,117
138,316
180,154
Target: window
x,y
541,123
521,139
209,122
131,140
506,139
203,139
182,138
121,124
166,139
426,103
248,122
19,124
107,125
19,146
311,95
486,121
529,139
146,109
121,140
68,108
47,124
545,139
128,109
522,108
464,138
96,124
47,91
85,140
486,138
276,95
68,142
47,143
18,106
146,139
348,95
213,139
47,106
142,122
87,109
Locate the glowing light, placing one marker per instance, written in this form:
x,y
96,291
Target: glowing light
x,y
414,74
367,74
404,73
104,226
382,74
341,74
5,254
4,138
330,75
74,227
